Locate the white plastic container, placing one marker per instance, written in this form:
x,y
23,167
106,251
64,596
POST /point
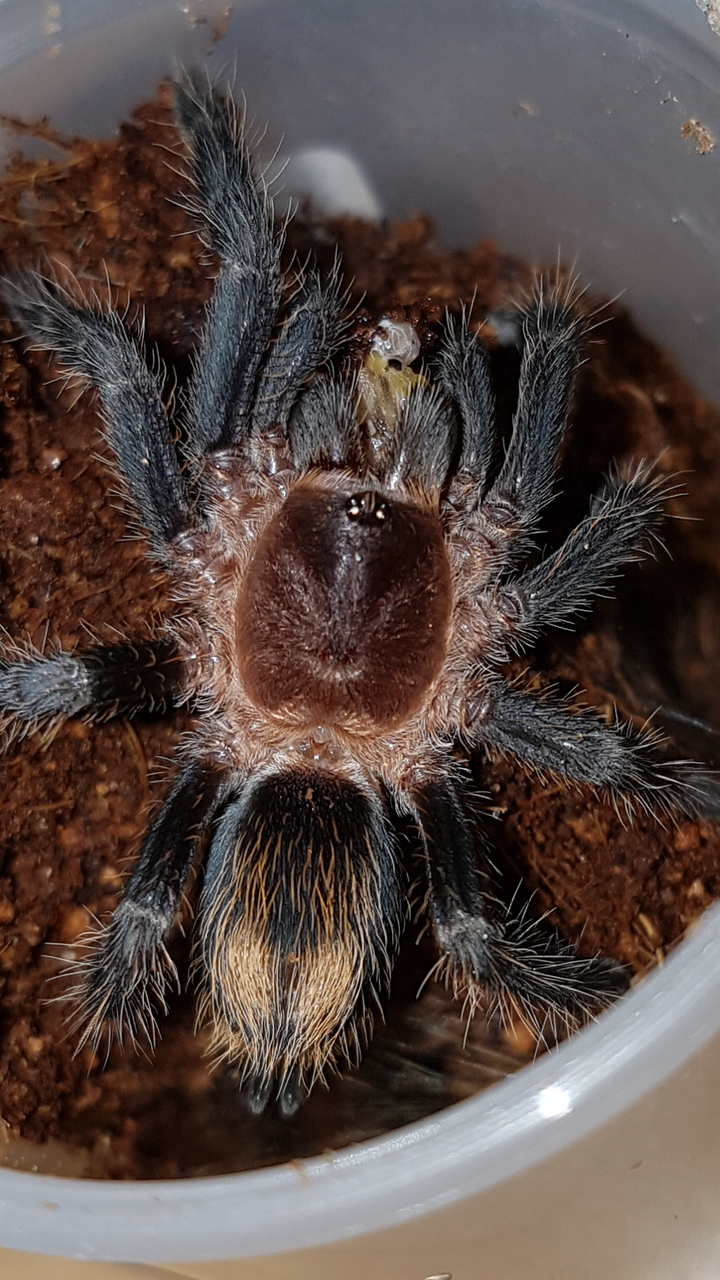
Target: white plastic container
x,y
545,125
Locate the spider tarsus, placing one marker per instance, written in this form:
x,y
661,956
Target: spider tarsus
x,y
526,968
667,787
126,971
123,978
552,348
37,687
554,737
620,528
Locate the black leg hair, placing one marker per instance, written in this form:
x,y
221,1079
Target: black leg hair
x,y
106,681
552,335
620,529
422,443
575,744
323,429
96,345
309,335
484,948
464,374
126,973
237,214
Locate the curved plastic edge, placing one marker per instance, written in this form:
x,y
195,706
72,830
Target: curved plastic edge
x,y
460,1152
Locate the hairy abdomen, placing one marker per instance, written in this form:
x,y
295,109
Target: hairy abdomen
x,y
299,921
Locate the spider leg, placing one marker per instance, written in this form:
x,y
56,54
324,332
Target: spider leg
x,y
128,968
484,948
308,336
619,529
237,213
420,448
552,334
105,681
549,736
323,428
95,344
241,382
464,373
505,515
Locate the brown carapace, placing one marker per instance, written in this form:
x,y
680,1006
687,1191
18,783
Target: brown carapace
x,y
347,557
346,606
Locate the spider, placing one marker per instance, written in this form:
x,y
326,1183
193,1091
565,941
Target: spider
x,y
347,589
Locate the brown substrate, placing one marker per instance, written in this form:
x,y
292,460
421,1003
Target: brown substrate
x,y
74,804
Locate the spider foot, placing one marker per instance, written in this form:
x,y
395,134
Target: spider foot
x,y
527,969
122,978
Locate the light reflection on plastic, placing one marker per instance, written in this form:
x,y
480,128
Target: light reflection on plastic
x,y
554,1101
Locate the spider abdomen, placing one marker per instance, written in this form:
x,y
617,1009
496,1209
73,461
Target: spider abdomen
x,y
299,919
345,607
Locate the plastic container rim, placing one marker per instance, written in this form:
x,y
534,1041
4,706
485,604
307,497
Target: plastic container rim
x,y
458,1152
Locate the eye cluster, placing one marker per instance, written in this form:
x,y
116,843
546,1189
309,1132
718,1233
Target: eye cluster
x,y
367,507
349,559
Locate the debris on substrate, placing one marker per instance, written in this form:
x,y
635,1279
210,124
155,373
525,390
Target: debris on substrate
x,y
75,803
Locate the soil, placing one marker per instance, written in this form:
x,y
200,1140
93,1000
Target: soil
x,y
75,802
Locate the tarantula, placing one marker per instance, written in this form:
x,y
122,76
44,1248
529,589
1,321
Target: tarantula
x,y
346,591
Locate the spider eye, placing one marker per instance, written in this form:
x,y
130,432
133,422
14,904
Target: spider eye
x,y
367,507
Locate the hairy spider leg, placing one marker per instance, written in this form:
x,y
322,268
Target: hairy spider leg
x,y
505,513
236,213
128,968
552,335
322,428
96,344
464,372
421,446
483,946
238,385
310,333
576,744
36,688
620,528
